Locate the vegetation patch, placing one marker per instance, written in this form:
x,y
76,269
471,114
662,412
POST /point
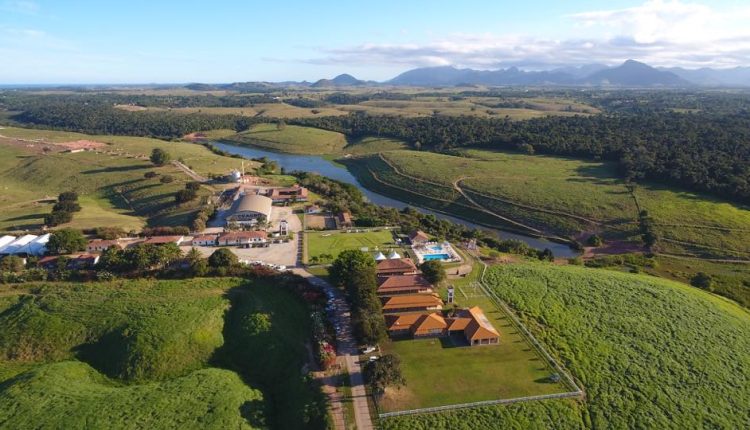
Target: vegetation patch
x,y
327,245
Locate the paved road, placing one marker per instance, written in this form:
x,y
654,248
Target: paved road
x,y
347,348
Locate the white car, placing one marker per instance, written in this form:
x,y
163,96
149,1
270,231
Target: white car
x,y
368,349
374,358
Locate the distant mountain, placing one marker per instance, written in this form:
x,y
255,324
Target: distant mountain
x,y
635,74
343,80
629,74
734,77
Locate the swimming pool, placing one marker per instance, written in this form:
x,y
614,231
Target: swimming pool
x,y
437,248
428,257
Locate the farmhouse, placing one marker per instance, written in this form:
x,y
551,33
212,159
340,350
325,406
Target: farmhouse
x,y
242,238
419,237
250,209
99,245
344,220
288,194
412,303
163,240
205,240
475,327
403,284
396,266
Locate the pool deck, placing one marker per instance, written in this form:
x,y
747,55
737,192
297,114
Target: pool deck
x,y
423,252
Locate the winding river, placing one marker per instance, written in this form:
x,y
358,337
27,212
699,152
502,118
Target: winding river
x,y
317,164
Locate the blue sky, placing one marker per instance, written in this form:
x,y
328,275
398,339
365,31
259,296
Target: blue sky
x,y
223,41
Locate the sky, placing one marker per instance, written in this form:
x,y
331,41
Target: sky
x,y
166,41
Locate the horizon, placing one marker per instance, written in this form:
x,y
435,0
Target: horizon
x,y
140,43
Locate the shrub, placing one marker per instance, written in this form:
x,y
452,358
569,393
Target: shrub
x,y
159,157
166,179
222,258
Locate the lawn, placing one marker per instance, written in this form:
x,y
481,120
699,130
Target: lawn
x,y
292,139
333,242
650,353
439,374
155,354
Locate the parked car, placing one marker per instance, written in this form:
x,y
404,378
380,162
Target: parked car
x,y
368,349
374,358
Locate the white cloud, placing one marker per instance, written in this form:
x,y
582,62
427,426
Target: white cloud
x,y
19,6
659,32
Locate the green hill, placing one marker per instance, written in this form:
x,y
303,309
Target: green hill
x,y
137,354
649,353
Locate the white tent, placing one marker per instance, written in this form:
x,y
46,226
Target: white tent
x,y
19,245
37,246
393,255
379,257
5,241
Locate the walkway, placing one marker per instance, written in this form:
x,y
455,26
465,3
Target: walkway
x,y
347,348
190,172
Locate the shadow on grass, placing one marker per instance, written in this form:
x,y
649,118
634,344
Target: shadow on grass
x,y
117,169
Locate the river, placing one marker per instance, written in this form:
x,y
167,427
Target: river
x,y
317,164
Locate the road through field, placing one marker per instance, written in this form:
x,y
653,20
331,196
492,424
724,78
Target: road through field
x,y
347,349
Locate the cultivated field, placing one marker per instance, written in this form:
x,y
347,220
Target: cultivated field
x,y
155,353
331,243
650,353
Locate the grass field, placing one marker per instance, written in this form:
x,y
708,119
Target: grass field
x,y
438,374
292,139
156,354
650,353
111,183
560,196
333,242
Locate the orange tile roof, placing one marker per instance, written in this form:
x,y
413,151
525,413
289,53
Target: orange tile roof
x,y
408,301
401,322
479,327
419,236
404,264
458,324
425,323
403,283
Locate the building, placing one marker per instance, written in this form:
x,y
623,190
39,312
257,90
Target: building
x,y
419,237
412,303
205,240
163,240
396,266
5,240
403,284
313,209
344,220
242,238
416,325
83,261
474,326
250,209
288,194
100,245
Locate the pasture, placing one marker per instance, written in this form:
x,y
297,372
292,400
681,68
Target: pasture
x,y
110,181
650,353
155,353
292,139
331,243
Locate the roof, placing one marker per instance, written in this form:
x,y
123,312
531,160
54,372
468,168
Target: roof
x,y
458,323
18,246
395,264
236,235
394,255
403,282
6,240
255,203
103,243
419,236
479,327
412,301
430,322
401,322
38,246
159,240
345,217
206,238
288,192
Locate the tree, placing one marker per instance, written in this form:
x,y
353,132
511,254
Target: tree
x,y
159,157
594,240
12,263
66,241
68,196
166,179
222,257
66,206
703,281
385,372
198,264
433,271
185,195
56,218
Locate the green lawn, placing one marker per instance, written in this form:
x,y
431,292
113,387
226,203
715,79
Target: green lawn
x,y
438,374
650,353
292,139
154,354
333,242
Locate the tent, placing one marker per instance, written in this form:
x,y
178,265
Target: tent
x,y
380,257
393,255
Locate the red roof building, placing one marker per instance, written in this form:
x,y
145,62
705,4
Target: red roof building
x,y
396,266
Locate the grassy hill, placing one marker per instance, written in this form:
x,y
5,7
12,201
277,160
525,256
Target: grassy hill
x,y
110,181
167,353
649,353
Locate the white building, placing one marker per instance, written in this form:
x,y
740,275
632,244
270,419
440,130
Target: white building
x,y
250,209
